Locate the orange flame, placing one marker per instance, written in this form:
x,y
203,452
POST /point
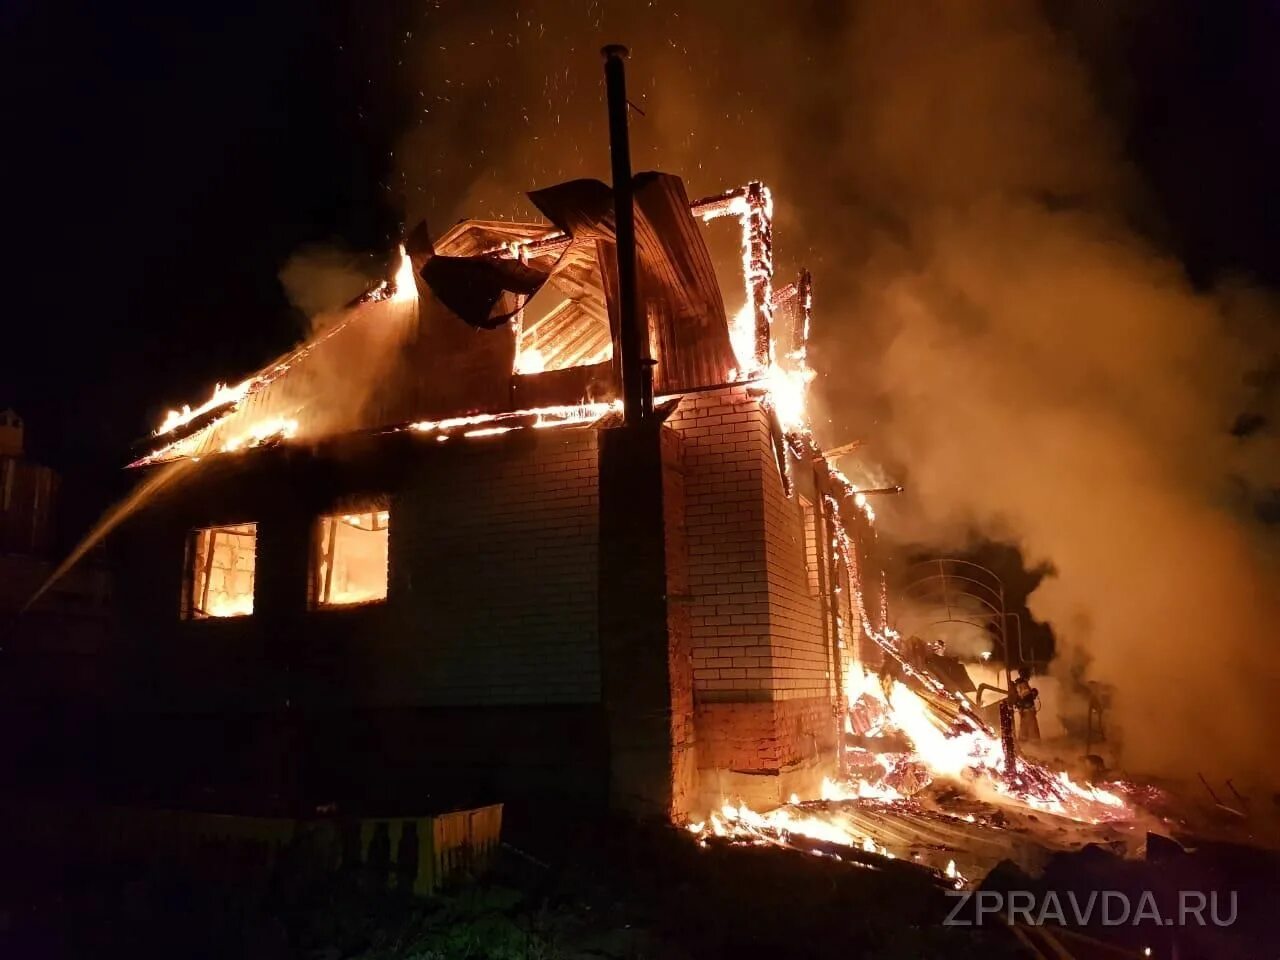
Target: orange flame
x,y
222,396
404,288
271,428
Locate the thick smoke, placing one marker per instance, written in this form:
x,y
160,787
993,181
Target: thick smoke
x,y
321,279
988,318
1052,380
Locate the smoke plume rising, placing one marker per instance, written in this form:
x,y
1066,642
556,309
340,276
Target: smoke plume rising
x,y
1052,380
988,317
321,279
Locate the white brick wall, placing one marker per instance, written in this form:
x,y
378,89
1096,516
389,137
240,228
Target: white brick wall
x,y
494,552
757,631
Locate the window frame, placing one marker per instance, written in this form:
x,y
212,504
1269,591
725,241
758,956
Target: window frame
x,y
192,612
317,553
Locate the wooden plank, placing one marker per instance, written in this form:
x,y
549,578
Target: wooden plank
x,y
328,557
210,538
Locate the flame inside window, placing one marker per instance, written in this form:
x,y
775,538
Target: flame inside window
x,y
223,560
351,558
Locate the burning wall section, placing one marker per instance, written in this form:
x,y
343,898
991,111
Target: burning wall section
x,y
763,671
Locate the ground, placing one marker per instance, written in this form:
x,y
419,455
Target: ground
x,y
574,888
599,890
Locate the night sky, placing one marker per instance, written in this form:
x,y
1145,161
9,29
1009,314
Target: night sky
x,y
162,164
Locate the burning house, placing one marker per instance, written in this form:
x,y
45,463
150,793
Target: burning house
x,y
538,515
494,564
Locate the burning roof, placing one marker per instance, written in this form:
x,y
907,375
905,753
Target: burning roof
x,y
500,317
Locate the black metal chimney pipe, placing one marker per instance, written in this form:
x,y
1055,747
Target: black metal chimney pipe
x,y
633,335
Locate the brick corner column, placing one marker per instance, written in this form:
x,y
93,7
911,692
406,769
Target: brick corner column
x,y
646,745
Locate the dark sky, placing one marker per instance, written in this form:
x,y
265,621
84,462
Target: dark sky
x,y
161,167
161,164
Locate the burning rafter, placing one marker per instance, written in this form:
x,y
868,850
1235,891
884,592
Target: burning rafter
x,y
540,418
752,329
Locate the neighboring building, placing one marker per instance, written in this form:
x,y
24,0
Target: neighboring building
x,y
49,647
27,492
449,570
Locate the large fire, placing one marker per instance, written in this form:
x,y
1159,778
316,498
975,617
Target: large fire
x,y
963,749
404,286
859,813
786,379
942,738
939,735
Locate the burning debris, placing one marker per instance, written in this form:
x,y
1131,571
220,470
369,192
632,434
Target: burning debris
x,y
925,734
940,737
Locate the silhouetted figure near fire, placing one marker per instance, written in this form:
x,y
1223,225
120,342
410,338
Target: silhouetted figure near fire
x,y
1026,699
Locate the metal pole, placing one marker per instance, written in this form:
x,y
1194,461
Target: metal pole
x,y
828,579
874,491
637,401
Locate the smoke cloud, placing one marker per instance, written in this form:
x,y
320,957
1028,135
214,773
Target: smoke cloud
x,y
988,317
1050,379
321,279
